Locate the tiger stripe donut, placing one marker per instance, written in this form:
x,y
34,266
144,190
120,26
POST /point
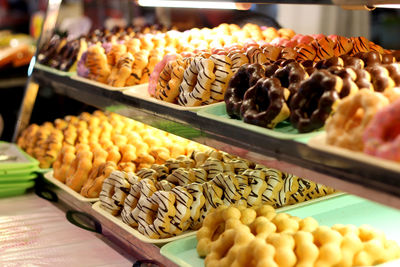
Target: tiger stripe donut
x,y
196,190
155,213
230,186
223,74
141,61
360,44
121,71
324,48
342,46
274,185
183,201
114,190
200,92
140,190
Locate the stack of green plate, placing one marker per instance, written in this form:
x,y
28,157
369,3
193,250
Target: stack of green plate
x,y
17,170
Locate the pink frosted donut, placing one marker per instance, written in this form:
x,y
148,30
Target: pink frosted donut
x,y
382,136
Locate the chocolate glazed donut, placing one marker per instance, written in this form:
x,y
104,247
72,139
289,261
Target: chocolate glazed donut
x,y
244,78
69,57
264,103
291,75
348,75
312,104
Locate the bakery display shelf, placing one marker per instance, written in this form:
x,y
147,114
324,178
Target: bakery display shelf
x,y
317,2
345,209
129,244
343,173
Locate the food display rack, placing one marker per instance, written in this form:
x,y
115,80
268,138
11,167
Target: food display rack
x,y
350,175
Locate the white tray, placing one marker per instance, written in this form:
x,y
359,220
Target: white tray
x,y
319,142
143,93
53,70
49,177
106,86
118,221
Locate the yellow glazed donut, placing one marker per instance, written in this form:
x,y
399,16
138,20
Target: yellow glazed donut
x,y
83,165
92,187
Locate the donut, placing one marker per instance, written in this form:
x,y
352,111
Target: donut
x,y
63,162
230,187
324,48
243,79
121,71
351,61
370,59
194,93
139,191
114,190
271,52
164,185
196,190
348,76
288,53
140,62
305,52
148,173
214,227
381,137
183,201
96,62
345,128
342,46
213,167
363,80
360,44
314,101
181,177
257,183
223,74
155,212
264,103
170,78
394,72
274,179
290,186
213,195
256,55
80,169
291,75
380,78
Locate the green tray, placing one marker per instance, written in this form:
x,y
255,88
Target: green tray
x,y
16,172
17,178
283,130
11,192
19,160
22,184
344,209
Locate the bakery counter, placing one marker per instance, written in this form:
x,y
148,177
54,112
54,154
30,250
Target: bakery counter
x,y
366,178
84,216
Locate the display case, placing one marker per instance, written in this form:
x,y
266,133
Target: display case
x,y
303,155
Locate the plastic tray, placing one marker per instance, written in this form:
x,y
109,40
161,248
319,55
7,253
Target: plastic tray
x,y
118,221
345,209
318,142
22,184
17,172
53,70
49,177
105,86
282,131
17,178
10,192
142,93
12,158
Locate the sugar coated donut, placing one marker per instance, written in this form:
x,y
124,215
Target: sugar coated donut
x,y
382,136
346,127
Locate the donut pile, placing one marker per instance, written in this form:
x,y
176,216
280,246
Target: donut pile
x,y
239,236
167,199
130,60
305,94
63,53
203,79
42,142
84,150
